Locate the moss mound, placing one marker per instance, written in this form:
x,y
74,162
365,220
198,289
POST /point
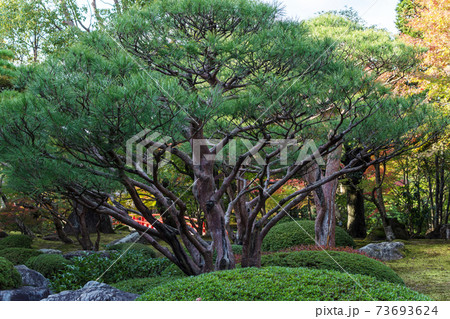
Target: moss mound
x,y
293,233
333,260
19,241
9,276
47,265
137,247
19,256
279,283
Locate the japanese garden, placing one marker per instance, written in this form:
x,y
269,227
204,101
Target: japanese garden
x,y
220,150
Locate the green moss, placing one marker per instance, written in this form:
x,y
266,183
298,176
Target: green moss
x,y
9,276
19,241
18,256
47,265
333,260
144,249
279,283
293,233
426,267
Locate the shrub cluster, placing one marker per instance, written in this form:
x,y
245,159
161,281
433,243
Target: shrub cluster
x,y
333,260
19,241
47,264
133,264
279,283
142,285
18,256
293,233
9,276
144,249
318,248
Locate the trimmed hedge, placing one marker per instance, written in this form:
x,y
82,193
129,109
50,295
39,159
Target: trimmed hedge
x,y
279,283
47,264
142,285
144,249
290,234
18,241
351,263
18,256
9,276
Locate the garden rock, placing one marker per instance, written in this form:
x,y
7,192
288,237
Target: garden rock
x,y
93,291
384,251
82,253
25,293
31,277
35,287
51,251
131,238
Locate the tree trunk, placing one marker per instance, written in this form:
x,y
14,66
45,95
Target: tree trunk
x,y
251,249
241,213
24,228
325,199
356,222
60,231
204,188
379,203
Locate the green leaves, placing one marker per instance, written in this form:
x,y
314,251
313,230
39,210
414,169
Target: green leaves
x,y
278,283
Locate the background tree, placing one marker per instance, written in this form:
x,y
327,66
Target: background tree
x,y
425,23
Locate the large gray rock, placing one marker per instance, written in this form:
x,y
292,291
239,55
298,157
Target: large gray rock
x,y
34,287
51,251
384,251
93,291
131,238
31,277
26,293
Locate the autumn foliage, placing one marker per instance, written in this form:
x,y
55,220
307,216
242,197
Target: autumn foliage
x,y
429,27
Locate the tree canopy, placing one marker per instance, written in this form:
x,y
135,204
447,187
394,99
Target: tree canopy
x,y
211,77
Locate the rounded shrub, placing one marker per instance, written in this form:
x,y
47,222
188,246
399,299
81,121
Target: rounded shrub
x,y
333,260
47,264
18,256
9,276
142,285
280,283
172,270
19,241
295,233
137,247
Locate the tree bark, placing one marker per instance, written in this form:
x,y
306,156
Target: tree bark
x,y
60,230
251,248
325,199
356,222
204,188
378,200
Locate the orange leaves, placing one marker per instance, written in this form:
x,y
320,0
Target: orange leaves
x,y
432,23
